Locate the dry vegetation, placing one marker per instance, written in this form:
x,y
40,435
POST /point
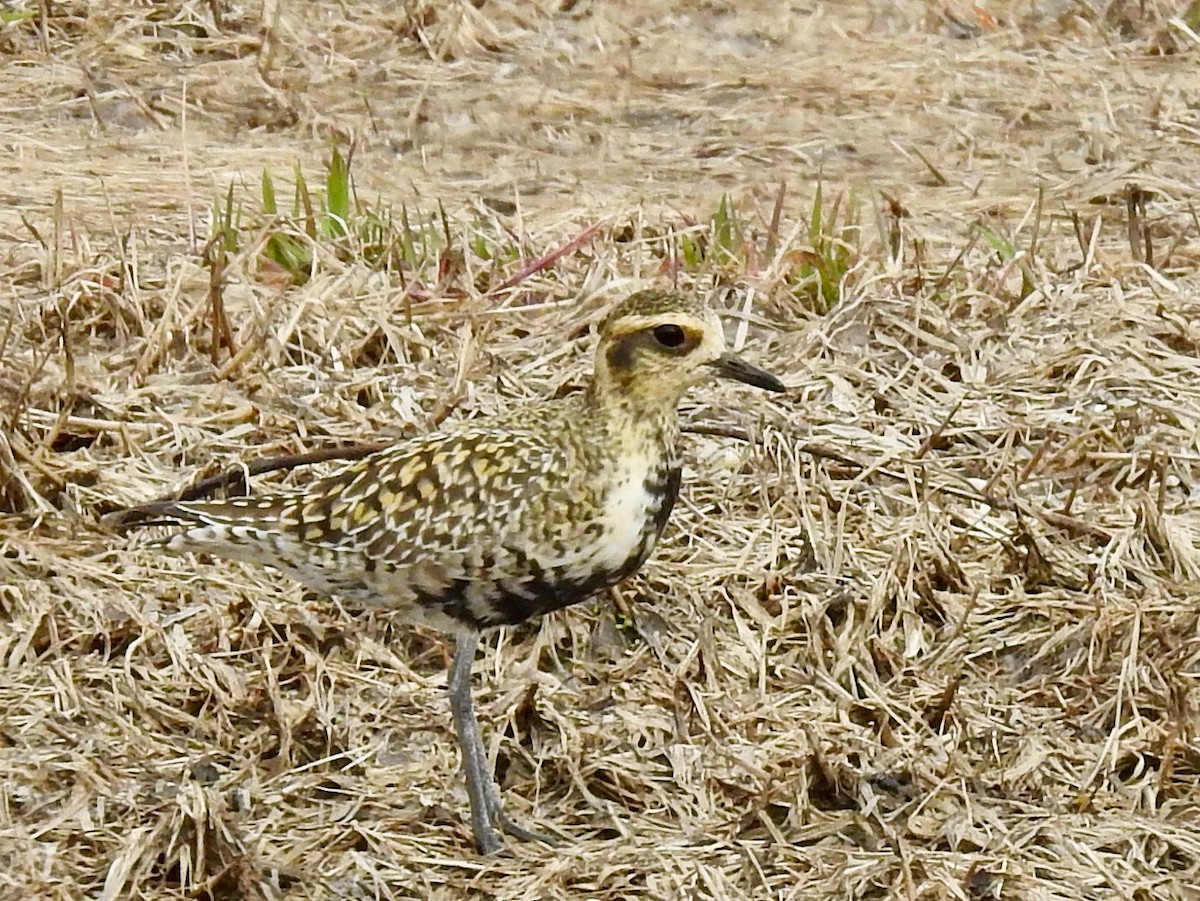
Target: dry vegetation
x,y
930,632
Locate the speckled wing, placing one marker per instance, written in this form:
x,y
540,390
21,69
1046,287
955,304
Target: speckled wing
x,y
466,493
443,527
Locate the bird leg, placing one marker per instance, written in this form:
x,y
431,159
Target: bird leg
x,y
487,810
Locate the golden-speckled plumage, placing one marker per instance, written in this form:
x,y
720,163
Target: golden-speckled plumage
x,y
481,525
497,520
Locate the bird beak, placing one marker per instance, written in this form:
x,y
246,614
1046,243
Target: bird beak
x,y
736,368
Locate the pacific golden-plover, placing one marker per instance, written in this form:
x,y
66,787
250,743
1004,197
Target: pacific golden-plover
x,y
495,521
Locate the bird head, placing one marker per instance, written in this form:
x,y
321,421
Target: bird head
x,y
654,345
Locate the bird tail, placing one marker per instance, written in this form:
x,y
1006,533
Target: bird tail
x,y
222,527
242,511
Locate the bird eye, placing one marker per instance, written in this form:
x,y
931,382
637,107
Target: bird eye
x,y
669,335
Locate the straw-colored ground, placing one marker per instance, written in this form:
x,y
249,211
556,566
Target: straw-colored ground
x,y
932,632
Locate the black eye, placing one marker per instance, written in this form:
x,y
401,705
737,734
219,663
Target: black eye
x,y
669,335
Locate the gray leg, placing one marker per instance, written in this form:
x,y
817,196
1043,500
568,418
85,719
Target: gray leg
x,y
487,811
470,743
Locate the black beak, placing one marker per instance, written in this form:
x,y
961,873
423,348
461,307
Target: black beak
x,y
732,367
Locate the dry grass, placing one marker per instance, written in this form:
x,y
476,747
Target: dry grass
x,y
930,634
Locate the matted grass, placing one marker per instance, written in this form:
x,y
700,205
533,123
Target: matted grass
x,y
925,627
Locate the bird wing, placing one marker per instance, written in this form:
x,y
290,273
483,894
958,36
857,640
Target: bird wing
x,y
473,492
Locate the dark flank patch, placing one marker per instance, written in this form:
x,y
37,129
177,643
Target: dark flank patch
x,y
547,591
452,601
533,593
668,487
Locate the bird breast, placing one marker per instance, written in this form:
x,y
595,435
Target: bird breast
x,y
634,510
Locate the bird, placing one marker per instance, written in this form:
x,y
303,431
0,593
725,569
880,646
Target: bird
x,y
497,520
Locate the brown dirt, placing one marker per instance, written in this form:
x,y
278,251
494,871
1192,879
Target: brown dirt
x,y
932,633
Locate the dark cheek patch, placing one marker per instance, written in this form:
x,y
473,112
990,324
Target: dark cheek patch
x,y
620,355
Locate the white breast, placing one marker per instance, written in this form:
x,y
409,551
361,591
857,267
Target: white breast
x,y
627,512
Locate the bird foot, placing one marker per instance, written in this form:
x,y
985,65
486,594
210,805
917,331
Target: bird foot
x,y
487,837
511,827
